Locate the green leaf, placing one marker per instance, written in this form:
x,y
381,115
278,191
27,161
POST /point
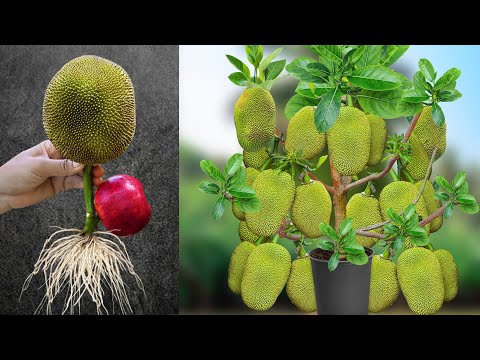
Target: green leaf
x,y
268,59
354,248
334,260
233,164
398,243
394,216
447,78
391,228
267,84
466,199
306,89
388,52
296,103
327,110
413,221
240,177
274,69
416,231
248,205
463,189
327,230
330,52
420,83
409,211
459,179
322,89
238,78
218,208
469,208
371,56
239,65
442,182
254,54
298,69
437,115
375,77
401,49
387,104
413,96
449,95
242,191
321,160
345,226
318,70
208,187
211,170
325,244
348,239
419,240
358,259
427,69
448,211
443,196
382,242
357,55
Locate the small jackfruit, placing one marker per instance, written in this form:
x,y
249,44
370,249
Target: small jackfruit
x,y
383,284
255,159
237,265
254,117
302,136
89,110
300,288
429,134
275,190
420,277
378,136
245,234
419,160
349,141
433,204
251,175
364,211
265,276
449,273
312,206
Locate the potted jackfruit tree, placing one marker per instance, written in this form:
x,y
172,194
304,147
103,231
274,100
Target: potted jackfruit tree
x,y
338,113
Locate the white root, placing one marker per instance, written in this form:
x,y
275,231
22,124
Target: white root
x,y
84,264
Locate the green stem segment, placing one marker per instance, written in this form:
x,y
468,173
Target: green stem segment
x,y
368,189
91,218
386,253
275,238
301,252
407,176
394,175
349,100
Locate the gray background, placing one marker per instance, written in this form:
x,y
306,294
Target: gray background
x,y
152,157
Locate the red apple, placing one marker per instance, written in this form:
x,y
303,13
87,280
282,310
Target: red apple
x,y
122,206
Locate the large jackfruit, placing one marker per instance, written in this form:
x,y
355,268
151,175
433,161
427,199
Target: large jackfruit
x,y
419,160
364,211
312,206
265,275
429,134
398,195
255,159
251,175
449,273
302,136
245,234
383,284
275,190
89,110
237,265
378,136
254,117
300,288
349,141
432,203
420,277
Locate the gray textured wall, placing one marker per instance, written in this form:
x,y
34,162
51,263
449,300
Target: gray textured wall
x,y
152,157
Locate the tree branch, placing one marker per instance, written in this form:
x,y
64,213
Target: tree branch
x,y
420,192
330,189
370,234
433,216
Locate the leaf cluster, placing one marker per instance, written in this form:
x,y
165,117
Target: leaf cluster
x,y
455,193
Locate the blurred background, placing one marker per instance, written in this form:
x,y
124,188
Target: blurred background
x,y
207,131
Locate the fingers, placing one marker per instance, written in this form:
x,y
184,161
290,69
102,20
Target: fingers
x,y
97,181
48,168
51,151
72,182
98,171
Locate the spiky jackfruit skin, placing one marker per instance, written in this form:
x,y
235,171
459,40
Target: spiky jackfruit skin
x,y
419,160
255,159
265,275
302,136
245,234
432,203
364,211
349,141
237,265
420,278
398,195
384,287
429,134
89,110
300,288
449,273
275,190
378,136
251,175
254,116
312,206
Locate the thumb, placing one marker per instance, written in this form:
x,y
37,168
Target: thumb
x,y
63,167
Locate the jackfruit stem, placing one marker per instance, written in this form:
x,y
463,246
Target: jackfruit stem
x,y
275,238
406,175
266,164
349,100
429,246
91,217
260,240
386,253
368,189
394,175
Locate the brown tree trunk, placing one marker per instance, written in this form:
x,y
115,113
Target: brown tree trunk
x,y
339,183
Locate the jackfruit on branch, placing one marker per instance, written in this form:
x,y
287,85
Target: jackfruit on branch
x,y
384,288
364,211
254,116
302,136
245,234
237,265
251,175
449,273
300,288
265,276
312,206
432,203
275,190
378,136
349,141
255,159
419,160
429,134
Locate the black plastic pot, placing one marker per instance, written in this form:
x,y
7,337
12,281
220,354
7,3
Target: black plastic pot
x,y
344,291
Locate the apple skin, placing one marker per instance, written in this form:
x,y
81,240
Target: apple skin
x,y
121,205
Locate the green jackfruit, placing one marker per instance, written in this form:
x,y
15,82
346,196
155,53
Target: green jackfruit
x,y
265,276
419,160
349,141
398,195
237,265
302,136
420,277
432,203
300,289
89,110
378,136
254,117
255,159
275,190
429,134
251,175
383,284
449,273
364,211
312,206
245,234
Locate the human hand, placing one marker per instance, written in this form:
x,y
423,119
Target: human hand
x,y
39,173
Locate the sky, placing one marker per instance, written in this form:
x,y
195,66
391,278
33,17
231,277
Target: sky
x,y
206,93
